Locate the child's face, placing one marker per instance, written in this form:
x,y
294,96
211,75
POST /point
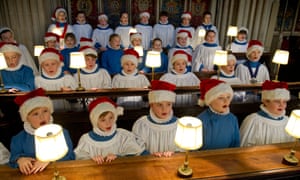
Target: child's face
x,y
163,19
182,41
39,117
180,66
80,18
255,55
136,42
210,37
61,16
162,109
70,42
276,106
157,45
241,36
51,44
7,37
12,59
229,68
124,19
221,103
144,20
50,66
129,67
115,43
103,21
207,19
106,122
90,62
185,21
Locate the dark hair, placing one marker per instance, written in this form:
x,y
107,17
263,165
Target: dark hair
x,y
71,35
163,13
208,31
5,31
156,39
242,32
206,13
113,36
80,12
123,12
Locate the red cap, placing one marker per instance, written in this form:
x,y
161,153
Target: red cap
x,y
51,35
132,52
19,100
162,85
181,52
184,33
187,15
254,43
97,101
270,85
55,12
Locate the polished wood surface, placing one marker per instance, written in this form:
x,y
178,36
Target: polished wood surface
x,y
260,162
115,92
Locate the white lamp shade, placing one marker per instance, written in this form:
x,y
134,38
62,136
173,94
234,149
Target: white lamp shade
x,y
132,30
201,33
140,50
189,133
3,64
220,58
77,60
281,57
293,125
232,31
153,59
38,49
50,143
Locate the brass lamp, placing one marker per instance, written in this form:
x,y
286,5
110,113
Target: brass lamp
x,y
220,59
50,145
293,129
132,30
3,65
77,62
201,35
139,50
232,32
38,49
189,137
280,57
153,61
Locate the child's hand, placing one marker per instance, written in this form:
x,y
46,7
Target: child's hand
x,y
110,157
98,159
25,164
66,89
158,154
168,153
38,166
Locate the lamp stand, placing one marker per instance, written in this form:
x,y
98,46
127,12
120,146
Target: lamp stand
x,y
56,174
184,170
219,71
277,72
152,73
291,159
79,88
229,50
2,89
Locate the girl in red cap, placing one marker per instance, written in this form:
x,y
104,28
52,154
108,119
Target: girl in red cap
x,y
106,142
158,128
35,110
267,125
252,71
130,78
220,126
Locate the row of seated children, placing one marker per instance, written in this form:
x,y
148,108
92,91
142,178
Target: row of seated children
x,y
153,133
53,78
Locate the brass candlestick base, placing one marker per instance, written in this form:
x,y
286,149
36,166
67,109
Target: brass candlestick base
x,y
80,88
290,159
184,172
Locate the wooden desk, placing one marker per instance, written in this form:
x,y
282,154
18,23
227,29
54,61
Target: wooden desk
x,y
260,162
